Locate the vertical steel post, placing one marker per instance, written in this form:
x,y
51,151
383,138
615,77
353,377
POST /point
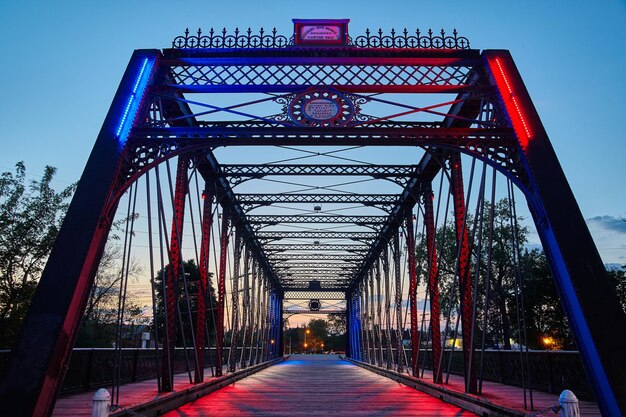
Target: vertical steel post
x,y
389,348
465,283
374,354
365,336
398,276
203,285
281,346
234,335
245,305
251,310
221,294
272,327
349,326
415,336
433,284
174,274
379,315
398,273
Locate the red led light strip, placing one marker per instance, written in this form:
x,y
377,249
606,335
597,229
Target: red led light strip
x,y
516,105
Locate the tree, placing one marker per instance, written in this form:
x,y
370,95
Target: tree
x,y
546,324
99,322
31,214
541,307
617,277
192,274
336,324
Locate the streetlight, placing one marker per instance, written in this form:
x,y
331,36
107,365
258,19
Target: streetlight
x,y
548,341
306,345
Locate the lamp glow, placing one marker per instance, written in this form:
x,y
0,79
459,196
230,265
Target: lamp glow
x,y
517,116
134,99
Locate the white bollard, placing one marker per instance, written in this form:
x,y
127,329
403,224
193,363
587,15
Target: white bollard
x,y
569,404
100,405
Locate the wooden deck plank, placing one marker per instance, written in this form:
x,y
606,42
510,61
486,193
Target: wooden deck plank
x,y
308,385
315,385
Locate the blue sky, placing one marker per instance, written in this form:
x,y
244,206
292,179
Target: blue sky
x,y
62,62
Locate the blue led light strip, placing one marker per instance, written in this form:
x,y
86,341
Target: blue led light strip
x,y
132,99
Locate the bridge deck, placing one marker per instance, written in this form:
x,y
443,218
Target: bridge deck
x,y
309,385
314,385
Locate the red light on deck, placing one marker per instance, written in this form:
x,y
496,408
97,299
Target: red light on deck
x,y
521,127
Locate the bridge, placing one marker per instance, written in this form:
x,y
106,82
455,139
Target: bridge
x,y
379,178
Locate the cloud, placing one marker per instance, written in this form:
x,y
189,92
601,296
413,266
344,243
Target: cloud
x,y
609,223
609,234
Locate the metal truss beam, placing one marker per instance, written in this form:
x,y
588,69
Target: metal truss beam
x,y
316,235
316,248
338,266
205,137
304,311
285,258
306,219
365,199
378,171
363,56
312,273
307,294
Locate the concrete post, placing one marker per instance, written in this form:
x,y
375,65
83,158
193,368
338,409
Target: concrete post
x,y
100,405
569,404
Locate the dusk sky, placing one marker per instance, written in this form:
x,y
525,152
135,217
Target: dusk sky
x,y
62,62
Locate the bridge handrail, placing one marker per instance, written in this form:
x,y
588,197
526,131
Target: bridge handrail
x,y
551,371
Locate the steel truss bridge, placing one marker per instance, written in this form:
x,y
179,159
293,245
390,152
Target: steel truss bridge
x,y
362,172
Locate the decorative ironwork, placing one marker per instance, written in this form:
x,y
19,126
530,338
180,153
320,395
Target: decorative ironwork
x,y
276,219
215,76
239,39
321,108
316,235
303,311
252,201
376,171
318,248
336,266
404,40
314,257
305,294
216,39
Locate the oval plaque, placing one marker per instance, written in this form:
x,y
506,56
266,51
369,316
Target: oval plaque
x,y
321,109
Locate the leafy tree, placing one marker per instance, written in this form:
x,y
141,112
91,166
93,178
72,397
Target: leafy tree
x,y
192,274
542,310
617,277
337,324
546,324
31,213
100,317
